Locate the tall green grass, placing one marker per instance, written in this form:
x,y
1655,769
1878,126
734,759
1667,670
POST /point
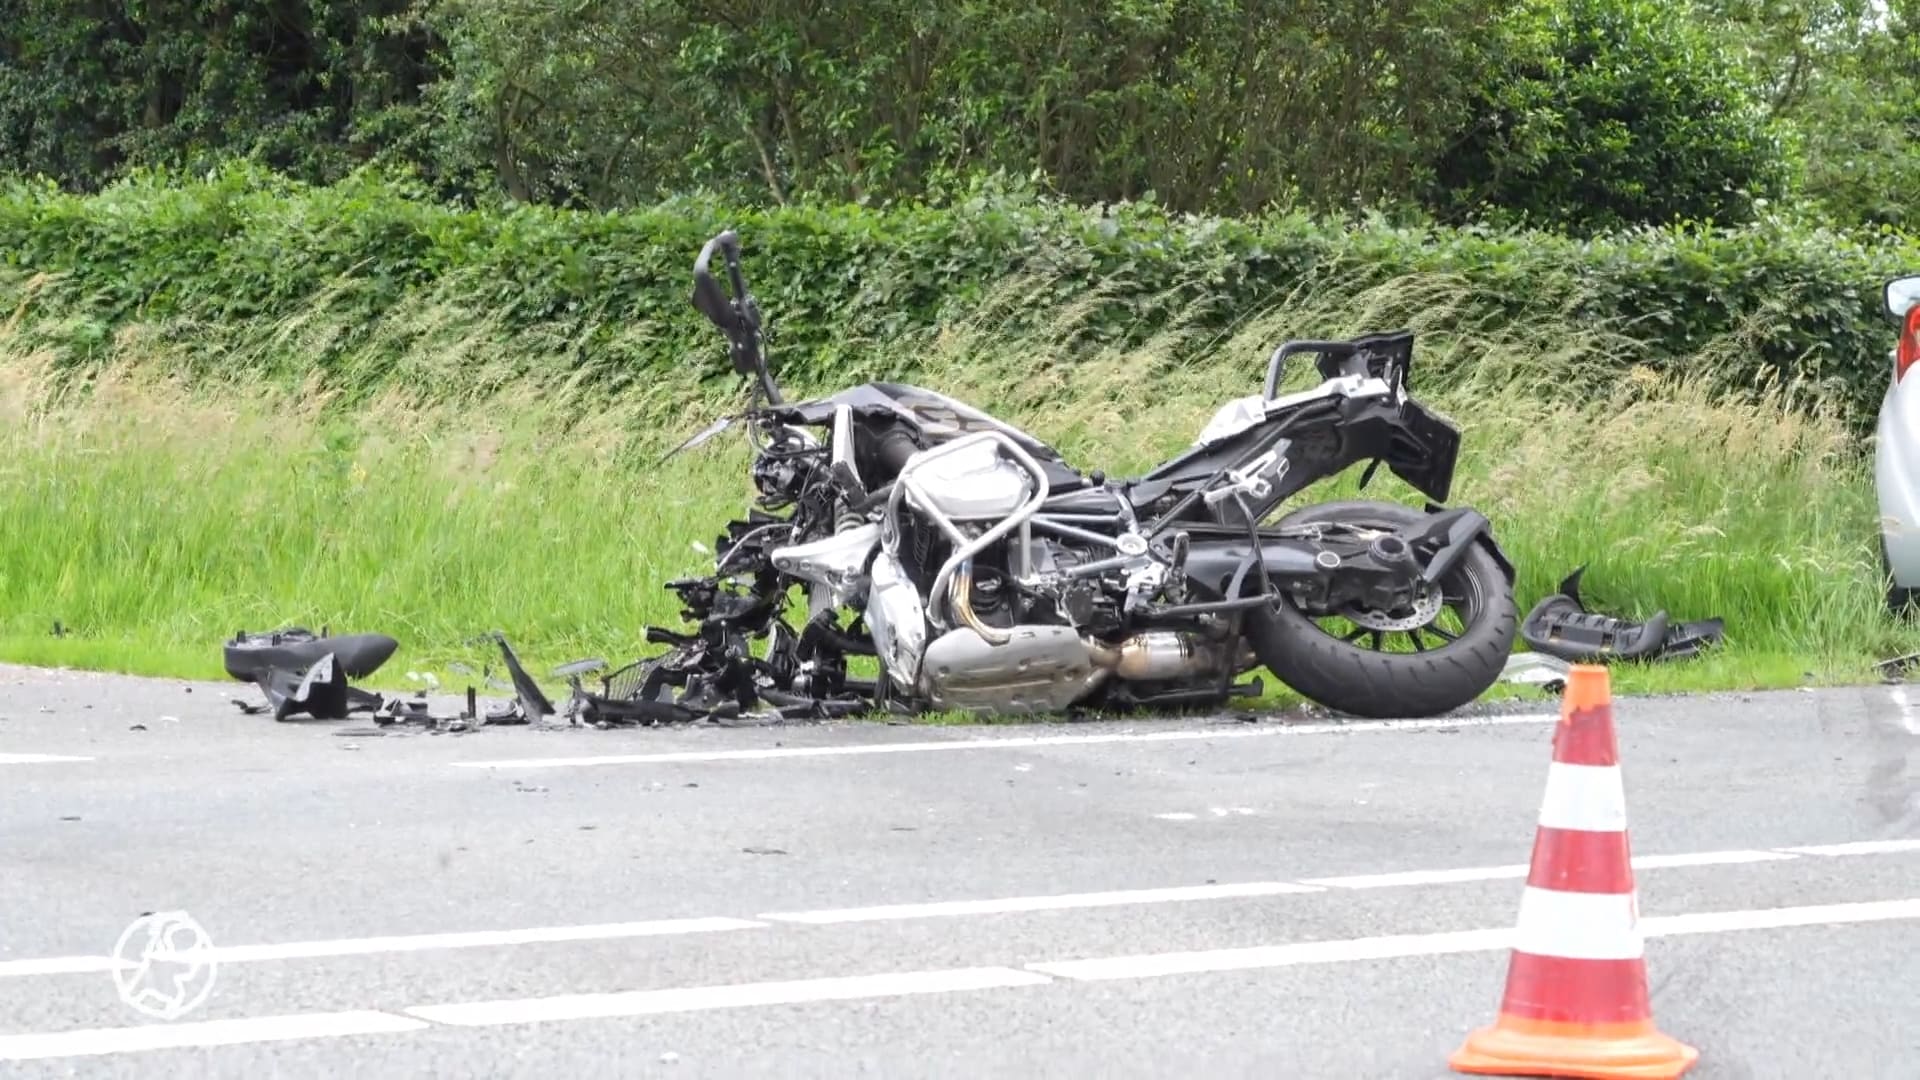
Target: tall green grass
x,y
450,477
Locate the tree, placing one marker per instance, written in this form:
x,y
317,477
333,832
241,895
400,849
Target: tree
x,y
1609,113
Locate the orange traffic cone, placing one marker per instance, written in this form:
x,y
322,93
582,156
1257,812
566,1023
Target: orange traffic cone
x,y
1576,997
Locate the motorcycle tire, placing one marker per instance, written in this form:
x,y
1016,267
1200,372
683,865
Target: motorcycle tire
x,y
1358,681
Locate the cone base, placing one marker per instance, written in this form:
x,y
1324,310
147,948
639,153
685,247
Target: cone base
x,y
1512,1047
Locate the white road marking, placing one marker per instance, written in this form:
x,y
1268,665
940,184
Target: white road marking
x,y
1407,878
739,995
297,950
1858,847
1707,858
58,965
1216,811
1153,965
1721,922
625,1003
1349,950
1012,743
398,943
1042,903
37,759
253,1029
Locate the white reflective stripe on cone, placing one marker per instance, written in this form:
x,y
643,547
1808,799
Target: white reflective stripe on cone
x,y
1579,926
1590,798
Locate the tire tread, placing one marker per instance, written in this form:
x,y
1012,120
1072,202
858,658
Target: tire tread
x,y
1366,683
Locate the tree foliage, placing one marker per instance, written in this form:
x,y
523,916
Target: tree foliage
x,y
1843,76
1227,105
1580,113
90,89
1610,113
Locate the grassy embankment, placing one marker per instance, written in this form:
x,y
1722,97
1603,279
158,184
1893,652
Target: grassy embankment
x,y
154,514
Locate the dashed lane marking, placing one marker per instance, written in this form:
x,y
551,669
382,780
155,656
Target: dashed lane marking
x,y
868,987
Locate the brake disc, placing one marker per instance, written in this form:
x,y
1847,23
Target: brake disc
x,y
1425,608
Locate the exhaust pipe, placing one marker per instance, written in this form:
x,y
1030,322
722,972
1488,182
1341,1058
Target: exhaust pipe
x,y
960,599
1157,655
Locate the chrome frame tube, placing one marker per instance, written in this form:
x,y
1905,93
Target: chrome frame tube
x,y
1054,525
905,487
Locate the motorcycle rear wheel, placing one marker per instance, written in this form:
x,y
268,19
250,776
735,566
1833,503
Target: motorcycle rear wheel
x,y
1444,669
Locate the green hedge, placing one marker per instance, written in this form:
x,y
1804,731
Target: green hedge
x,y
841,284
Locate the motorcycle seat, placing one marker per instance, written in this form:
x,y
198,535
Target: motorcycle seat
x,y
295,649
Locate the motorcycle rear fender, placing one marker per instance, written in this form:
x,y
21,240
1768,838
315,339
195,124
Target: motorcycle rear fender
x,y
1457,531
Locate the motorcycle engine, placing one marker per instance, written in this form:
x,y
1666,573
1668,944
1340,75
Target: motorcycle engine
x,y
923,547
995,598
1079,601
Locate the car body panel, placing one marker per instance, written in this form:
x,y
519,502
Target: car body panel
x,y
1896,476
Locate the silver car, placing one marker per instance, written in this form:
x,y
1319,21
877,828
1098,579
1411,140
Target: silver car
x,y
1896,456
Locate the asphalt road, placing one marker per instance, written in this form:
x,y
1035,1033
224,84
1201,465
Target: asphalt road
x,y
850,900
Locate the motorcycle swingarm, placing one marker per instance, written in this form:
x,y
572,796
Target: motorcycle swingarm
x,y
1561,626
1433,547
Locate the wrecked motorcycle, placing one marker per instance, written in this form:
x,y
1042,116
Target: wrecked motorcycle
x,y
987,574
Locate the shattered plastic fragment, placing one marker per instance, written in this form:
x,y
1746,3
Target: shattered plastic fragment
x,y
1537,669
533,701
1561,626
320,691
710,674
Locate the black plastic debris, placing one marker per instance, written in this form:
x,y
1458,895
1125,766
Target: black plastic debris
x,y
296,648
1562,626
710,674
1897,668
302,673
530,698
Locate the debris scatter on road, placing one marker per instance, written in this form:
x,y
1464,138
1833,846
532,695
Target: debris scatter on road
x,y
711,676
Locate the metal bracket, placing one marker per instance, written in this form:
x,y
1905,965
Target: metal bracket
x,y
1248,481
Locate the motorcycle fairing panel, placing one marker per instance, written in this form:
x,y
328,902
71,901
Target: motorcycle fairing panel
x,y
1562,626
986,573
